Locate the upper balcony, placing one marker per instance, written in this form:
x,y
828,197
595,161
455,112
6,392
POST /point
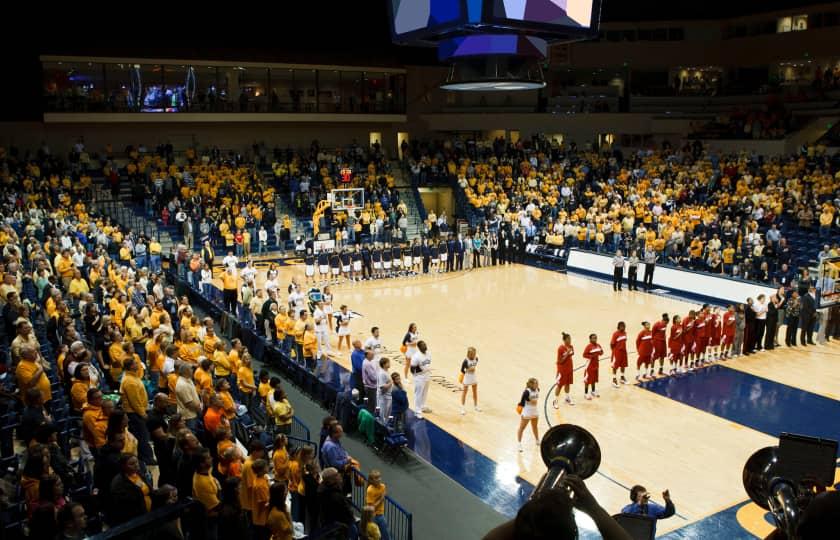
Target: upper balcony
x,y
109,90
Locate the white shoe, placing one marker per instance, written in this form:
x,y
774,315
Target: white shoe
x,y
596,394
615,384
587,396
418,416
555,404
477,408
569,401
463,411
623,380
520,447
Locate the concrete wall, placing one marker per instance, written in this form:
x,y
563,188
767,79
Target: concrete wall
x,y
229,136
438,200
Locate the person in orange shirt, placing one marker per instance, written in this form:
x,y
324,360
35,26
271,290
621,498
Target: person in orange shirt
x,y
215,415
30,374
228,405
280,459
95,415
256,450
203,380
259,499
245,382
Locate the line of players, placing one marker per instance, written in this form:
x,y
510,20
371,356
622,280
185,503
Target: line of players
x,y
700,338
384,261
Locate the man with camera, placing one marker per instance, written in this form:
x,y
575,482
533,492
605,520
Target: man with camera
x,y
643,506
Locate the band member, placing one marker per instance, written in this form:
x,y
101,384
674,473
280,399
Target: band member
x,y
728,332
309,266
618,354
644,347
565,370
529,411
469,379
675,344
660,348
592,354
687,360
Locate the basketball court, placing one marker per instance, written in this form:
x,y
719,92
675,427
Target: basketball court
x,y
691,434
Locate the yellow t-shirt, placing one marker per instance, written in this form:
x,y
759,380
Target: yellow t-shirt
x,y
206,489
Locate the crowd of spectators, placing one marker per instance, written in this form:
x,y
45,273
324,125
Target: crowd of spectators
x,y
724,214
119,399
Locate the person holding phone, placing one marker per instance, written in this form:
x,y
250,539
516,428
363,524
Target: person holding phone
x,y
642,505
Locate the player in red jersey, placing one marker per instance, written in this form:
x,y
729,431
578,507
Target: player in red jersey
x,y
660,347
565,370
644,346
714,331
728,331
592,353
701,335
687,360
675,344
618,353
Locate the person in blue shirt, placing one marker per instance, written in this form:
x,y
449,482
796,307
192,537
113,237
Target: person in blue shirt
x,y
336,456
643,506
357,358
399,402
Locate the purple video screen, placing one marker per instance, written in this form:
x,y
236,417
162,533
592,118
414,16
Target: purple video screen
x,y
410,16
566,13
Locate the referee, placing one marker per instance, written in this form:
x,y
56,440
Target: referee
x,y
618,270
650,264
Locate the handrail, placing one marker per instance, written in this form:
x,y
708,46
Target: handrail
x,y
399,520
150,522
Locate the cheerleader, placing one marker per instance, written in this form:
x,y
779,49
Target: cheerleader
x,y
343,320
327,297
675,344
323,266
335,266
345,266
592,353
713,329
644,347
618,354
356,257
409,346
565,370
309,265
528,411
468,379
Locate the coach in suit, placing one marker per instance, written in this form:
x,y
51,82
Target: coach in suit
x,y
459,253
450,251
808,317
427,256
